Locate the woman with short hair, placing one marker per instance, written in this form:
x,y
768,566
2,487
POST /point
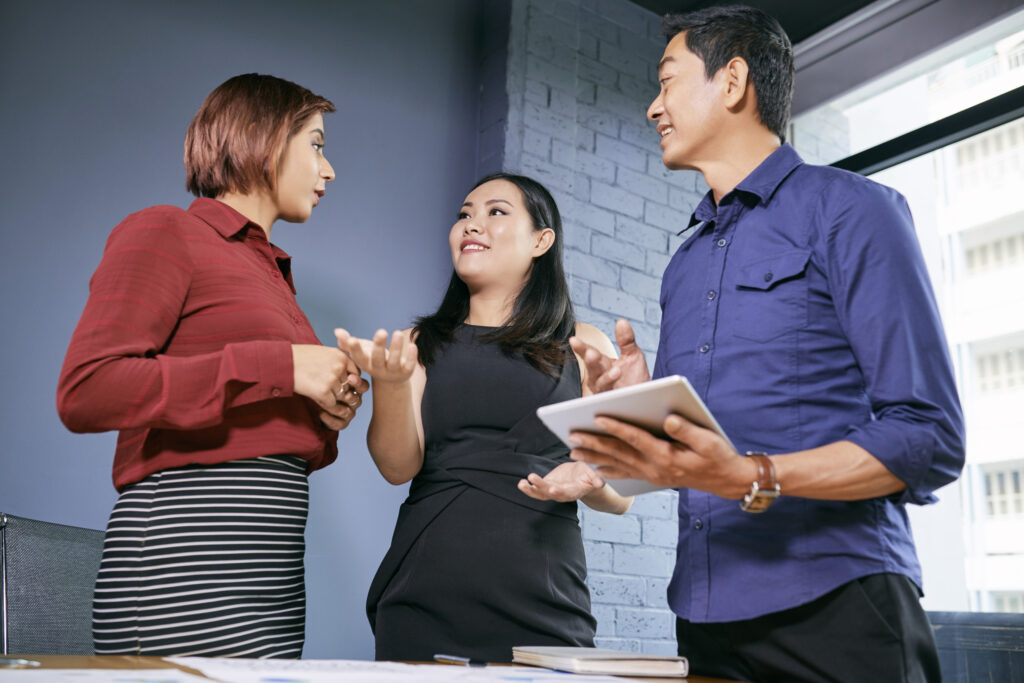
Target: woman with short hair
x,y
192,345
487,552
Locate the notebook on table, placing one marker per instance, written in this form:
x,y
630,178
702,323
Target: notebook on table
x,y
592,660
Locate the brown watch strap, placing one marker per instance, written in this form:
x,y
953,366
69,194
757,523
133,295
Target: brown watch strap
x,y
765,489
765,471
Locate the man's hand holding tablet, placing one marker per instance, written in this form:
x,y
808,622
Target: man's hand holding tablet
x,y
682,454
645,406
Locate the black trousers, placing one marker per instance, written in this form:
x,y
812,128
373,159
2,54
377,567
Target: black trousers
x,y
870,629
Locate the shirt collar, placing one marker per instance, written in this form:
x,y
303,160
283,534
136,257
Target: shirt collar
x,y
766,178
762,182
229,223
219,216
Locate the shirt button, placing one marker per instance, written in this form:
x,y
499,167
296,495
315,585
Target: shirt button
x,y
275,392
768,277
722,242
704,348
711,295
698,525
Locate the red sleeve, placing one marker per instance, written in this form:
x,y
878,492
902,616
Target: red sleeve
x,y
115,374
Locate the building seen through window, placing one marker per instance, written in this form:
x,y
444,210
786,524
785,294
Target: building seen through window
x,y
1003,497
968,204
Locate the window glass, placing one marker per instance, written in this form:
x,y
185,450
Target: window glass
x,y
969,214
975,68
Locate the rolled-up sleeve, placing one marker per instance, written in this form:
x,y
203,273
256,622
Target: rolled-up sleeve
x,y
886,305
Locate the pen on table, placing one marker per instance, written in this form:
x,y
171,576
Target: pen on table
x,y
456,659
16,663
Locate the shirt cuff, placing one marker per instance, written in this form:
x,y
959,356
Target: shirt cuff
x,y
905,451
265,368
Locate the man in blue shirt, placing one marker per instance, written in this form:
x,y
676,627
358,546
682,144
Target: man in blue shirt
x,y
800,309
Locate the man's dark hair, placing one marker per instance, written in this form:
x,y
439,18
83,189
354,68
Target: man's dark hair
x,y
717,34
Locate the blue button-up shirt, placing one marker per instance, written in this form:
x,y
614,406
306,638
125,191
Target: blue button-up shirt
x,y
801,311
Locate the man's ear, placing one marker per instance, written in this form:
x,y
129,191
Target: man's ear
x,y
544,241
736,85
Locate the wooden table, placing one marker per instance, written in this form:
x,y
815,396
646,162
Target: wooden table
x,y
129,662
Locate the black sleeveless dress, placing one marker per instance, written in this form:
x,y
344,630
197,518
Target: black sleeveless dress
x,y
475,566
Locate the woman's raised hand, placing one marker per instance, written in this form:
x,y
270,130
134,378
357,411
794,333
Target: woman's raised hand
x,y
388,364
568,482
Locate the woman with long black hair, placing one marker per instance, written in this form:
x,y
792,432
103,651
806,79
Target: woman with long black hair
x,y
487,552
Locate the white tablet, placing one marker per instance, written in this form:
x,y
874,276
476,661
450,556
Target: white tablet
x,y
644,405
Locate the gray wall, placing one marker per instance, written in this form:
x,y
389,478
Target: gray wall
x,y
96,98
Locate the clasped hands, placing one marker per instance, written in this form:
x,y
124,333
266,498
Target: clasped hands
x,y
331,379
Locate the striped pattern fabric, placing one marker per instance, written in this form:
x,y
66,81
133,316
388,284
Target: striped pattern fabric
x,y
206,560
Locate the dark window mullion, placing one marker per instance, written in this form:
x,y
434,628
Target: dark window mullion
x,y
955,127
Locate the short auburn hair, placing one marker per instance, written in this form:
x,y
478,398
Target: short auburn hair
x,y
236,139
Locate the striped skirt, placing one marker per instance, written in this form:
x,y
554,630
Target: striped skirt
x,y
206,560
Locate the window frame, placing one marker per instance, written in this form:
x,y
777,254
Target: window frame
x,y
979,118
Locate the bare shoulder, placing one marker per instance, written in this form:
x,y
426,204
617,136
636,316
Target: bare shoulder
x,y
592,336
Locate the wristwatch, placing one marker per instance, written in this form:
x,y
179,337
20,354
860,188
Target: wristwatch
x,y
765,488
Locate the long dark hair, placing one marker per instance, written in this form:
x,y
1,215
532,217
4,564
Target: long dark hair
x,y
542,318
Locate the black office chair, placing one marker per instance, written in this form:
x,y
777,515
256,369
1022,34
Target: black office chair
x,y
47,572
979,646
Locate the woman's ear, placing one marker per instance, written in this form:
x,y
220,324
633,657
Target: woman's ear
x,y
544,240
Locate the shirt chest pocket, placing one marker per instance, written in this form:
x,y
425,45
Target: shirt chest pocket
x,y
770,296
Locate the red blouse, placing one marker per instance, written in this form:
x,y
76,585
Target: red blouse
x,y
185,346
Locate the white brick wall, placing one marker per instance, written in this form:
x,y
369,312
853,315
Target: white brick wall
x,y
580,76
821,136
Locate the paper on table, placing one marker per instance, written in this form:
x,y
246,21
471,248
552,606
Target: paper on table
x,y
350,670
295,670
100,676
